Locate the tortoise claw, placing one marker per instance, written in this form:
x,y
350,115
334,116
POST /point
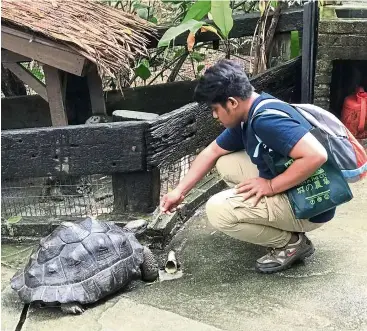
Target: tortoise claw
x,y
72,308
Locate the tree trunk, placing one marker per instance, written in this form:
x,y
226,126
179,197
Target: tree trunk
x,y
11,85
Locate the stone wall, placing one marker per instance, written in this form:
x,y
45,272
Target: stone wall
x,y
338,39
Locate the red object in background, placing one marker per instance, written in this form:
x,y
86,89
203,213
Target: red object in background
x,y
354,113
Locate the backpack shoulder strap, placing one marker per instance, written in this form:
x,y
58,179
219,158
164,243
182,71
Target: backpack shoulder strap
x,y
261,108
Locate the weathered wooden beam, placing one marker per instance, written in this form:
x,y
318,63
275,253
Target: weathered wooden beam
x,y
129,115
73,150
136,191
42,50
243,25
8,56
181,132
56,97
24,75
281,81
96,91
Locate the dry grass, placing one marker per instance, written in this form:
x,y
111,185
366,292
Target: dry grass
x,y
106,36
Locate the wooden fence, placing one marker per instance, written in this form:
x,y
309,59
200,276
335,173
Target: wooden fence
x,y
130,151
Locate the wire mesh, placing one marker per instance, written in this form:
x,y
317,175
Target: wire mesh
x,y
72,196
76,196
173,173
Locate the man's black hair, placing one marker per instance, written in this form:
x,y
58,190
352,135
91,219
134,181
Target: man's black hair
x,y
223,80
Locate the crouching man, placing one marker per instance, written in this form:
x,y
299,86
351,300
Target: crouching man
x,y
255,209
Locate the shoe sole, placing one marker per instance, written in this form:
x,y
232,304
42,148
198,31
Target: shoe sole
x,y
300,257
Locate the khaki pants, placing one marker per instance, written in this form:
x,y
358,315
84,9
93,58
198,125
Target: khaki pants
x,y
269,224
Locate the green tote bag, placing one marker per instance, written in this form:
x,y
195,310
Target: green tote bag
x,y
324,190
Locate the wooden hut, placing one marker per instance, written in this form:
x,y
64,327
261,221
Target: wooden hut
x,y
70,38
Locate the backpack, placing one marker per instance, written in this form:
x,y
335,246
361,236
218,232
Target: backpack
x,y
348,153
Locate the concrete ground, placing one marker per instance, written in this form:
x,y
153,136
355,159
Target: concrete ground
x,y
220,290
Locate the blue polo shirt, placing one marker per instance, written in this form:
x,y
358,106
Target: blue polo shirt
x,y
277,132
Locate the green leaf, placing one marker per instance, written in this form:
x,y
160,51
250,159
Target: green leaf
x,y
210,28
142,13
198,10
37,73
179,52
145,62
142,70
198,56
14,219
222,16
153,20
294,44
274,4
200,67
175,31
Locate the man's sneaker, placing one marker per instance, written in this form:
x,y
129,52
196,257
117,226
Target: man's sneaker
x,y
279,259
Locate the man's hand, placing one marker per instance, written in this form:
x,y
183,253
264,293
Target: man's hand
x,y
170,201
258,187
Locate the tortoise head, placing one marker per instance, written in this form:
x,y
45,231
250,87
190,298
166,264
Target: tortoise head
x,y
137,227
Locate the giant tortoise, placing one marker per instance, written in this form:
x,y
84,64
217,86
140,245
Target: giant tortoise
x,y
81,262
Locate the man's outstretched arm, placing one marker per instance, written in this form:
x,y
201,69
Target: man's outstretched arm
x,y
199,168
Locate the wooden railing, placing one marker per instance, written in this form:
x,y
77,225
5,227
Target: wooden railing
x,y
130,151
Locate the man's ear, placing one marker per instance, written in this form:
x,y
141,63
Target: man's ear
x,y
233,102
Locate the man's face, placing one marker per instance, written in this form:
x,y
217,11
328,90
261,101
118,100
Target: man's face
x,y
229,115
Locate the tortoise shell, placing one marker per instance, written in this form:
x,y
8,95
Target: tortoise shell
x,y
80,261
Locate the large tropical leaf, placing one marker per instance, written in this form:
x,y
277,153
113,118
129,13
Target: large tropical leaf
x,y
222,16
210,28
175,31
198,10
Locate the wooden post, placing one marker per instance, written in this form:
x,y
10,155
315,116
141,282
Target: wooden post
x,y
55,88
137,191
309,48
96,92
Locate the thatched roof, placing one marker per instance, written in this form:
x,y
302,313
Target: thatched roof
x,y
106,36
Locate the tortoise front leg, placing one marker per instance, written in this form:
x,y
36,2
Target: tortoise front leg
x,y
149,267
